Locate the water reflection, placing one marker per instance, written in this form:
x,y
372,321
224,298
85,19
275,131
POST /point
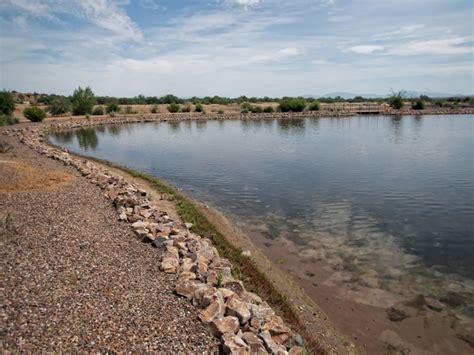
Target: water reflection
x,y
87,138
291,125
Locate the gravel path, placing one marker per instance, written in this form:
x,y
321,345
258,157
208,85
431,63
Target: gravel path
x,y
73,278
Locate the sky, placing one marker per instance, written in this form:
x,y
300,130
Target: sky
x,y
237,47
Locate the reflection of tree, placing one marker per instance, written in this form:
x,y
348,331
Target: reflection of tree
x,y
87,138
63,137
201,124
396,124
114,130
294,125
174,125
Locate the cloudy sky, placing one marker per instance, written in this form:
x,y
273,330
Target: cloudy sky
x,y
235,47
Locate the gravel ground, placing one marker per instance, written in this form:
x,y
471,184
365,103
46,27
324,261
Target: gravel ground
x,y
73,278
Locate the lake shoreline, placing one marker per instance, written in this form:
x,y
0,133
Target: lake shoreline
x,y
210,212
301,312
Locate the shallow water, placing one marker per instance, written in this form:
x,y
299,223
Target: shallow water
x,y
388,199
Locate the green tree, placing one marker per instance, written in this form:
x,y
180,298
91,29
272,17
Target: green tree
x,y
34,114
112,106
314,106
98,111
83,100
418,104
199,107
173,107
59,106
7,105
396,100
293,104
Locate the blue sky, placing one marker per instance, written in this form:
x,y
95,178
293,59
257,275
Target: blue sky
x,y
237,47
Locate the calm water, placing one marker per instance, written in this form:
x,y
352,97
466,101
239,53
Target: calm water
x,y
372,183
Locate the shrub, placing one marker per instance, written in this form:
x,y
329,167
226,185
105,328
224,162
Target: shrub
x,y
418,105
112,106
257,109
220,112
245,107
199,107
396,100
154,109
83,101
290,104
186,108
34,114
98,111
268,109
314,106
7,105
59,106
173,107
130,111
7,120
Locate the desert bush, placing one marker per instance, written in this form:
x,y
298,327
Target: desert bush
x,y
7,105
269,109
7,120
34,114
83,101
173,107
98,111
130,111
291,104
59,106
418,105
396,100
186,108
112,106
314,106
220,112
245,107
199,107
154,109
257,109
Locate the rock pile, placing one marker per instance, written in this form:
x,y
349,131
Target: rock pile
x,y
240,319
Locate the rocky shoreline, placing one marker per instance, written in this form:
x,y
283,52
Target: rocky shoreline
x,y
240,319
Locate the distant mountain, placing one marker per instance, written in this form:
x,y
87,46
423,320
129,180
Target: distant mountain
x,y
408,94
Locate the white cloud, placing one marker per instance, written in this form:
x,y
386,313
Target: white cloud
x,y
455,45
366,49
289,52
319,62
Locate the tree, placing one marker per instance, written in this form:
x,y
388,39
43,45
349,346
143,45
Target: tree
x,y
112,106
199,107
59,106
7,105
173,107
292,104
83,100
34,114
396,100
418,104
314,106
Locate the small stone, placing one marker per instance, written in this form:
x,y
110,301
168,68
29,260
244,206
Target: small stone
x,y
246,253
239,309
270,344
188,225
396,315
170,265
224,325
235,286
254,342
232,344
296,350
187,288
434,304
